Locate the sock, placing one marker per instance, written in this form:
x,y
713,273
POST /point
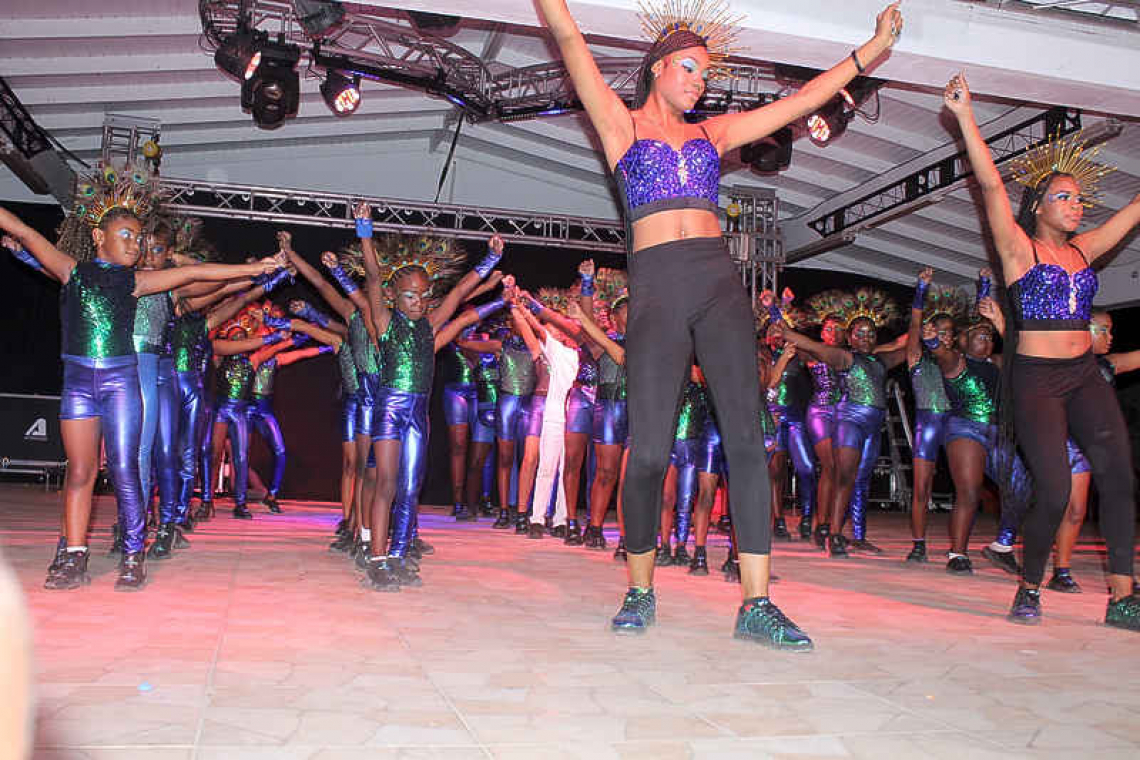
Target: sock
x,y
366,534
920,540
76,549
1000,548
952,555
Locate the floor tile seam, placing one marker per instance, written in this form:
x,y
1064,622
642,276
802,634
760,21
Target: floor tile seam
x,y
216,656
911,712
747,739
693,713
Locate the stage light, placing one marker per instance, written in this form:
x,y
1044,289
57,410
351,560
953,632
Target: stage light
x,y
829,122
239,54
273,93
770,155
318,16
341,94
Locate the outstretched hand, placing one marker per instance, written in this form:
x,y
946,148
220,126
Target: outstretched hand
x,y
496,244
362,210
767,298
889,25
284,241
586,268
329,259
926,275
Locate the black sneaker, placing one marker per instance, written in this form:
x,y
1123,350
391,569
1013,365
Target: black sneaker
x,y
486,509
180,541
341,527
638,612
241,512
1063,581
837,546
522,525
535,530
822,532
69,571
378,575
731,570
619,552
699,565
558,531
342,544
116,541
573,534
761,621
1002,560
504,520
204,511
1026,609
363,553
959,566
187,523
680,556
917,553
163,545
1124,613
463,514
663,557
422,547
864,546
60,554
132,572
594,538
404,572
780,530
724,524
805,527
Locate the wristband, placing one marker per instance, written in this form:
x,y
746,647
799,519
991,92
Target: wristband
x,y
489,308
919,302
274,337
774,313
858,66
300,339
985,285
931,343
325,349
273,280
344,279
534,305
277,323
484,267
310,314
587,285
25,256
364,227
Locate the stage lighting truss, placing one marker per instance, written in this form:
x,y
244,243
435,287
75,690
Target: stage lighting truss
x,y
384,45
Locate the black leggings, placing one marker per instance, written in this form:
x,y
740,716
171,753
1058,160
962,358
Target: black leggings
x,y
1054,398
687,294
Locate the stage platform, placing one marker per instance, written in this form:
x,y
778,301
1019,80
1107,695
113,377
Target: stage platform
x,y
259,643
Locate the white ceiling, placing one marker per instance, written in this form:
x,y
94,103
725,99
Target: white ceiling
x,y
72,61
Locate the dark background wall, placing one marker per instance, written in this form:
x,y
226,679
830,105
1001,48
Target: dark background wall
x,y
306,402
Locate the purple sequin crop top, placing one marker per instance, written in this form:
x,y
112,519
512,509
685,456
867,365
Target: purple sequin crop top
x,y
1049,298
653,177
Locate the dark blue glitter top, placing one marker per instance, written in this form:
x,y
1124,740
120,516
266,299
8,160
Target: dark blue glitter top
x,y
653,177
1049,298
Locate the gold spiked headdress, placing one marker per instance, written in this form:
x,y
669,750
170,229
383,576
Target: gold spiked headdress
x,y
710,20
864,303
105,188
1063,155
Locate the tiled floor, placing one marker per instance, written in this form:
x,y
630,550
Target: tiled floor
x,y
258,643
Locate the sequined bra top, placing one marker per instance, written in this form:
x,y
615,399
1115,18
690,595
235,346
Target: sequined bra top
x,y
1049,298
652,176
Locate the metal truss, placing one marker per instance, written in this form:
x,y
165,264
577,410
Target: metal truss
x,y
124,136
1114,11
753,237
946,172
372,43
19,128
269,204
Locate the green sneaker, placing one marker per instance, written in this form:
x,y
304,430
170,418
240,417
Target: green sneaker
x,y
761,621
638,612
1124,613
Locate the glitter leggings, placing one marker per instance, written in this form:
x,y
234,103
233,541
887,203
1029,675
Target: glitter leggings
x,y
403,416
264,421
235,416
158,446
1058,397
803,462
687,295
191,402
684,457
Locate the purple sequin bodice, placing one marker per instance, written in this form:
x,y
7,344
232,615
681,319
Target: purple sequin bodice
x,y
655,177
1049,298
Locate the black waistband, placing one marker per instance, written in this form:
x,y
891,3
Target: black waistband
x,y
671,204
1052,325
1049,361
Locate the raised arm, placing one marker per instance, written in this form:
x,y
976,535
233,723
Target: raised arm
x,y
209,299
55,262
231,306
1129,361
586,286
452,329
914,329
316,332
486,286
224,347
296,355
342,305
466,284
781,365
730,131
595,333
607,113
1013,246
157,280
834,356
304,310
525,324
373,286
1100,240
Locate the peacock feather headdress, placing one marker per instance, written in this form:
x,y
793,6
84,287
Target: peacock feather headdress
x,y
864,303
442,259
611,290
105,188
1063,155
945,301
555,299
190,239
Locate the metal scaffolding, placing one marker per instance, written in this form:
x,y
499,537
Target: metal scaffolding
x,y
754,239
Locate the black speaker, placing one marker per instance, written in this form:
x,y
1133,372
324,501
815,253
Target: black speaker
x,y
29,433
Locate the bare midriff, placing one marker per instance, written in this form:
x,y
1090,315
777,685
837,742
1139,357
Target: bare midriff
x,y
1052,344
677,224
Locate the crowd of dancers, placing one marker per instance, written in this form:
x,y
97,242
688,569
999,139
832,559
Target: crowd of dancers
x,y
666,375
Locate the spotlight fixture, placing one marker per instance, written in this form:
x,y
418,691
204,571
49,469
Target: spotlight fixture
x,y
829,122
318,16
341,93
273,92
239,55
770,155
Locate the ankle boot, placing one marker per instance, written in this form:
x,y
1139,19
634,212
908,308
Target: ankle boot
x,y
132,572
